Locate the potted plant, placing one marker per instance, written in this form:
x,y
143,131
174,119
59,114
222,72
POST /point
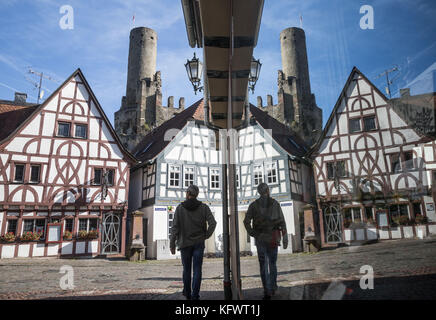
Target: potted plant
x,y
30,236
93,234
8,237
82,235
68,235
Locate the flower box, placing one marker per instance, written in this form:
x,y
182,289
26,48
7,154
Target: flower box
x,y
8,238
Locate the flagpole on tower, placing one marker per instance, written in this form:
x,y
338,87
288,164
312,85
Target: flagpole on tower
x,y
301,21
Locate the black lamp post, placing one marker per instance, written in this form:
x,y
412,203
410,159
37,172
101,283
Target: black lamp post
x,y
254,73
194,68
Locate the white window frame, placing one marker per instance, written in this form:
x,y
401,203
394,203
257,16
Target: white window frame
x,y
185,168
218,174
87,224
171,166
261,171
272,164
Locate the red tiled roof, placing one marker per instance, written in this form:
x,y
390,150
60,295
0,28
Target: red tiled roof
x,y
12,116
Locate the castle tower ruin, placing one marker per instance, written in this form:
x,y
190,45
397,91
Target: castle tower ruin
x,y
141,108
296,104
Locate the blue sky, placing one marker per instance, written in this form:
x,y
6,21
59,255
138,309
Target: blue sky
x,y
404,35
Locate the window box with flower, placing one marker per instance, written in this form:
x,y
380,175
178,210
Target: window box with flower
x,y
68,236
8,237
30,236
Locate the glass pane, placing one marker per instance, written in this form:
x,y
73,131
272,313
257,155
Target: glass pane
x,y
12,226
19,172
83,224
355,125
97,176
28,226
92,224
34,175
81,131
64,129
369,123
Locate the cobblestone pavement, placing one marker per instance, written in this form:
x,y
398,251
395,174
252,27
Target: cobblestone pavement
x,y
403,269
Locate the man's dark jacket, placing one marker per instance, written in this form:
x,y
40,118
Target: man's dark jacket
x,y
267,216
189,224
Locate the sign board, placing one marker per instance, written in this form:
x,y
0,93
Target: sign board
x,y
54,232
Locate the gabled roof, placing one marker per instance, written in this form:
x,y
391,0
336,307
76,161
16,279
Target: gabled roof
x,y
154,142
282,134
13,114
338,102
30,113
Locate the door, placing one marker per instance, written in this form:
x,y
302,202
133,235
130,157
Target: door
x,y
145,234
110,240
332,225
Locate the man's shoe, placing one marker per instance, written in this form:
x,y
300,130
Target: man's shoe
x,y
266,297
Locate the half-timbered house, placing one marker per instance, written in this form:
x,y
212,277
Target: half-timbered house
x,y
54,159
372,169
184,151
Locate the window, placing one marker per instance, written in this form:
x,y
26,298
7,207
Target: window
x,y
368,213
395,163
64,129
271,173
81,130
110,177
351,215
34,173
336,169
369,123
408,160
87,224
188,176
214,179
97,175
174,176
396,211
19,173
417,208
34,225
354,125
257,174
69,225
12,226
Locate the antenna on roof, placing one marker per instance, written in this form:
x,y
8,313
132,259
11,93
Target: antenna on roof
x,y
36,84
388,81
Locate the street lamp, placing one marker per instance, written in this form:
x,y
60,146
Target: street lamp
x,y
194,68
254,73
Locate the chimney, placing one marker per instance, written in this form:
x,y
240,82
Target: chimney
x,y
405,92
182,103
259,102
20,97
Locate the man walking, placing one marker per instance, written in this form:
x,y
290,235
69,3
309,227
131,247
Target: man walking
x,y
268,226
190,231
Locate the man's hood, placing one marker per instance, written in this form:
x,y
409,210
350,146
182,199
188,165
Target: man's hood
x,y
191,204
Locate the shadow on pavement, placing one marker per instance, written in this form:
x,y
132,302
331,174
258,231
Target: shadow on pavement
x,y
414,287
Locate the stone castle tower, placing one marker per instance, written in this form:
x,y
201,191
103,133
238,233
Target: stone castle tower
x,y
141,108
296,104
